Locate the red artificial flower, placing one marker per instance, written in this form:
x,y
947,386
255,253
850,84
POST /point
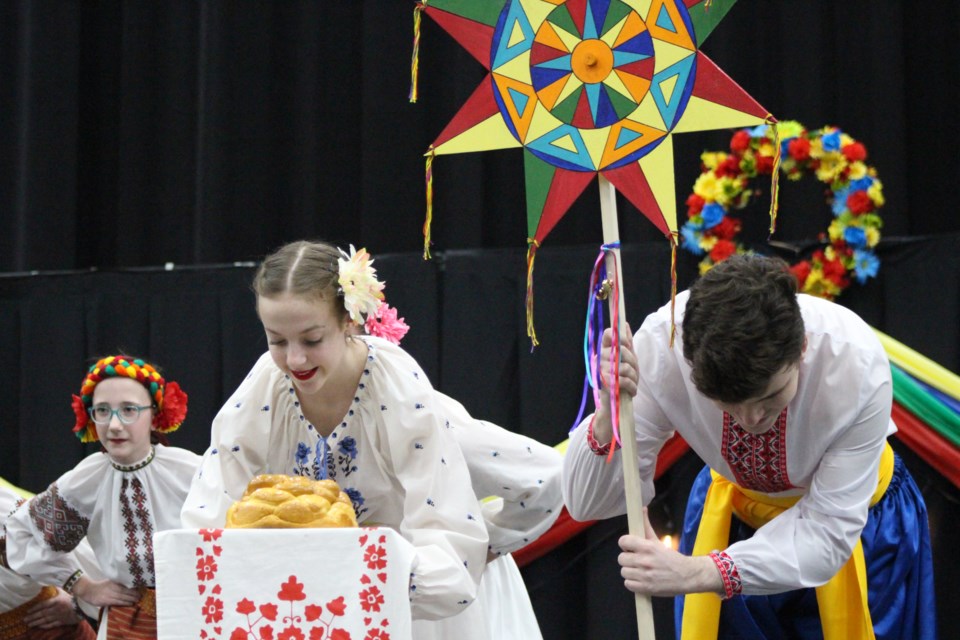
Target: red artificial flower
x,y
239,634
729,167
80,411
375,557
764,164
213,609
174,408
722,250
799,149
832,269
246,607
859,202
371,599
291,590
337,606
801,272
206,568
694,206
726,229
855,151
269,611
740,141
339,634
291,633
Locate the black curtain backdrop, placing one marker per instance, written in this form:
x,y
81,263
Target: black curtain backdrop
x,y
140,133
152,152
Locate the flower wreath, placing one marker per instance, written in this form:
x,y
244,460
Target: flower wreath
x,y
363,297
837,160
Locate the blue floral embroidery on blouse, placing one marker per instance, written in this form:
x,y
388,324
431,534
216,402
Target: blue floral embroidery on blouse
x,y
357,498
347,454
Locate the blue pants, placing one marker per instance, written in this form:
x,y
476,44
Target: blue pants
x,y
896,548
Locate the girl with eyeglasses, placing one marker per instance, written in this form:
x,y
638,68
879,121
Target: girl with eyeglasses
x,y
117,498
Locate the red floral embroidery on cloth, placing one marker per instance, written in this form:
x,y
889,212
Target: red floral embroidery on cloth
x,y
732,584
296,620
138,526
759,462
62,526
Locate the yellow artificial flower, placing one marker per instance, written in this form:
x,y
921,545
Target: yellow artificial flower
x,y
873,236
789,129
712,159
766,149
876,193
706,187
857,170
707,243
831,164
727,190
835,230
705,265
816,148
845,140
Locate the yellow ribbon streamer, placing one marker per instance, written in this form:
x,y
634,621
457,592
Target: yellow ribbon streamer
x,y
428,178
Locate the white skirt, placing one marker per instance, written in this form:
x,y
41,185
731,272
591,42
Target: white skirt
x,y
502,610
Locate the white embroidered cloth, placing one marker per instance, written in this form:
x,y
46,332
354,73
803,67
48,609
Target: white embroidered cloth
x,y
296,584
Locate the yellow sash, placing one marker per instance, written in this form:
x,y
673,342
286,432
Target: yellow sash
x,y
844,612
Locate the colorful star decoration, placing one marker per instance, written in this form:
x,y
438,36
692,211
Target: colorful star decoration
x,y
590,87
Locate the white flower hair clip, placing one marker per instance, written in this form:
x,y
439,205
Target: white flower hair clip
x,y
363,297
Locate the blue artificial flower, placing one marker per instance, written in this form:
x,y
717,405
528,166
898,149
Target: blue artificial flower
x,y
691,239
759,131
831,141
861,184
712,214
840,200
855,237
784,145
302,452
865,265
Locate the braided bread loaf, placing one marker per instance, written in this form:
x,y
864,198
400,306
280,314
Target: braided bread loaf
x,y
275,501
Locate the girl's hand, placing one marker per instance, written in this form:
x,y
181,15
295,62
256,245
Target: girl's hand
x,y
53,612
105,593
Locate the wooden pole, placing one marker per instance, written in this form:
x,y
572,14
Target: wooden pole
x,y
631,475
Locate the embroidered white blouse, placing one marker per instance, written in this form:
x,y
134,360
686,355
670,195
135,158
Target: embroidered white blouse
x,y
825,447
117,508
397,456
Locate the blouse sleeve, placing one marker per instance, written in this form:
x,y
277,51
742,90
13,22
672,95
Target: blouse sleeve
x,y
593,485
516,478
441,515
239,443
808,543
42,532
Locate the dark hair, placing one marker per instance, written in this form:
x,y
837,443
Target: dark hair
x,y
303,268
741,326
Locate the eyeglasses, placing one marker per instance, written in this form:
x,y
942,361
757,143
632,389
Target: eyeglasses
x,y
102,414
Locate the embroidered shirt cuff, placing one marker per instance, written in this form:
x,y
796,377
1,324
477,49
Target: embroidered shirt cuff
x,y
72,581
732,585
596,447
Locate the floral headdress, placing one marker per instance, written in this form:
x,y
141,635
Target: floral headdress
x,y
170,401
363,297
